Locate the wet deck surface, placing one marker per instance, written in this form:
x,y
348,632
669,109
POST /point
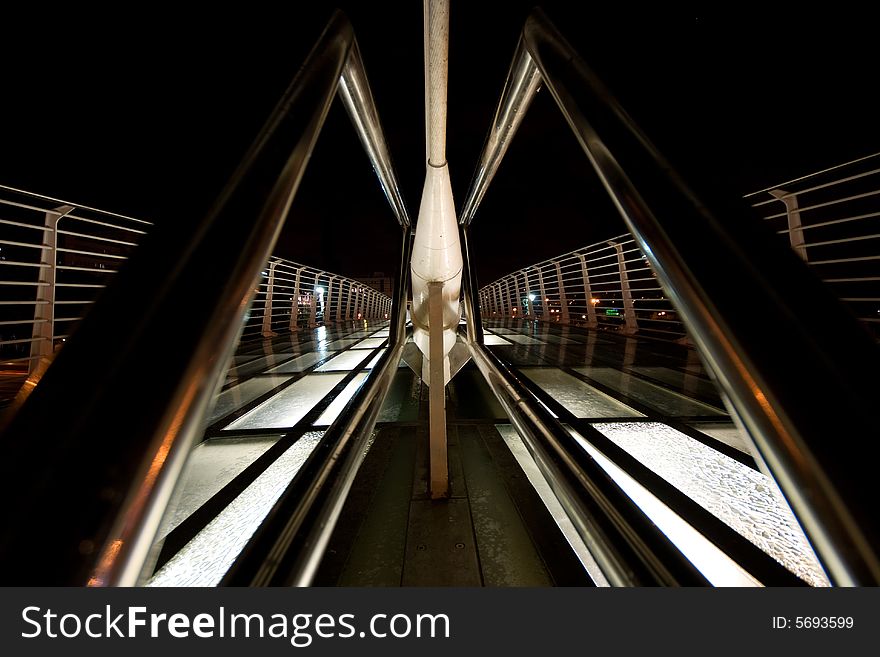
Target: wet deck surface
x,y
646,406
492,531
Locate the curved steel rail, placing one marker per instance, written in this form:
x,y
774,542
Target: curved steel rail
x,y
796,387
101,451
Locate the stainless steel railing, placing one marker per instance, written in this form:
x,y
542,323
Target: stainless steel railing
x,y
104,434
708,256
293,296
607,285
829,218
55,257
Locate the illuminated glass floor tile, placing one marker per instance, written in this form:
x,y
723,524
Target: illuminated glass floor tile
x,y
709,559
715,565
739,496
210,466
290,405
244,393
660,399
206,558
725,433
293,342
376,358
346,361
370,343
258,365
490,340
340,344
341,400
580,399
301,363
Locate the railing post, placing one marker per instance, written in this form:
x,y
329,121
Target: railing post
x,y
527,310
267,304
294,302
543,293
313,304
795,230
511,304
629,310
592,321
511,299
517,296
348,300
43,332
339,301
357,303
328,303
502,296
563,301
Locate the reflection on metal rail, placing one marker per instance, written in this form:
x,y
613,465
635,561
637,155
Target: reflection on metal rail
x,y
792,419
105,433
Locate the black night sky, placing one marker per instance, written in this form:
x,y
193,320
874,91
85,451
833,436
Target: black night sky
x,y
147,113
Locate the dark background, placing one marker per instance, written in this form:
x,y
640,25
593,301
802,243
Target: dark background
x,y
146,112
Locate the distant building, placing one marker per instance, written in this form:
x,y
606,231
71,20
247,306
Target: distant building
x,y
378,281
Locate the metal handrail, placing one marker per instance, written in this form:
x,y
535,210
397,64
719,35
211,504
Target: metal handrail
x,y
57,202
52,244
790,383
813,175
852,239
104,435
287,547
595,287
288,294
628,547
829,219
